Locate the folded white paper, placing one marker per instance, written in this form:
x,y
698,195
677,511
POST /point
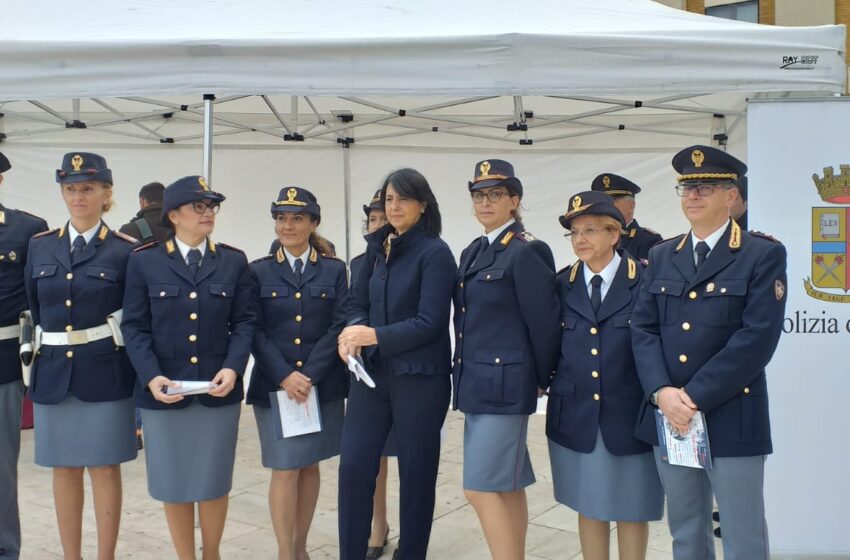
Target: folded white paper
x,y
355,366
294,418
191,388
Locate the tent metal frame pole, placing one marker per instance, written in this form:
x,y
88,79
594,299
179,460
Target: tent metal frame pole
x,y
346,178
208,136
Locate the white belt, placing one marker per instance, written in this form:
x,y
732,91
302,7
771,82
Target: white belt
x,y
12,331
73,338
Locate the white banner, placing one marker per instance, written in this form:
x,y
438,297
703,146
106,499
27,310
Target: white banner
x,y
799,161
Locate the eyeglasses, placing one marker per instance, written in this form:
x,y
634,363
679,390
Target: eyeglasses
x,y
200,207
493,196
587,232
703,190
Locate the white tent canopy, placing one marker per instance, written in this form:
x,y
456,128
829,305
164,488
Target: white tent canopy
x,y
52,49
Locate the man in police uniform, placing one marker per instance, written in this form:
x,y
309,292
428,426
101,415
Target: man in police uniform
x,y
16,229
147,226
636,240
705,326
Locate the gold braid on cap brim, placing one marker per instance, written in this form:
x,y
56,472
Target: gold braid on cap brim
x,y
488,177
618,192
289,203
693,176
577,210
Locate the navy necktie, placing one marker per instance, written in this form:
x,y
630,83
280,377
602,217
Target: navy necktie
x,y
194,261
77,252
596,292
702,252
299,264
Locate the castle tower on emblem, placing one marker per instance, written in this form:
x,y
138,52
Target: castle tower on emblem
x,y
830,238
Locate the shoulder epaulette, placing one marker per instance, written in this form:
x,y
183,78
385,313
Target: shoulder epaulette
x,y
764,235
226,246
261,259
331,257
526,236
146,246
124,236
25,213
45,233
652,231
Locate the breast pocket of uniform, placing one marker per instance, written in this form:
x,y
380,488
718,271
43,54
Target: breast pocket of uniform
x,y
668,295
270,294
42,273
724,302
323,293
222,289
105,273
491,275
162,292
499,376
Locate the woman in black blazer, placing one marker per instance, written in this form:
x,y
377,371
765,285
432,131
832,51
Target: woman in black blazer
x,y
599,468
399,318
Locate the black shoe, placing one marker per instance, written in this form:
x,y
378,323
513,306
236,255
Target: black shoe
x,y
715,515
374,552
717,533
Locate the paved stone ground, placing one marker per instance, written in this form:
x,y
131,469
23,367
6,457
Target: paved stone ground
x,y
552,532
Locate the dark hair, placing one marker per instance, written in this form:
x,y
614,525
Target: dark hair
x,y
322,245
516,213
152,192
410,183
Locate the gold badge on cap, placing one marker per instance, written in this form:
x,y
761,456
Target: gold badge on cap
x,y
203,183
697,157
576,203
291,194
484,168
77,162
606,181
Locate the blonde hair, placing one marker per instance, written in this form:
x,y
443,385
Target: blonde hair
x,y
107,187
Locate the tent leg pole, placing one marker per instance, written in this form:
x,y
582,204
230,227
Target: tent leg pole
x,y
208,136
346,170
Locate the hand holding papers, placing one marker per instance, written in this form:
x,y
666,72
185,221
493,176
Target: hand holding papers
x,y
191,388
294,418
689,449
355,366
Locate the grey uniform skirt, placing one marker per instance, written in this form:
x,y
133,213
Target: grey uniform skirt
x,y
495,456
189,452
300,451
607,487
73,433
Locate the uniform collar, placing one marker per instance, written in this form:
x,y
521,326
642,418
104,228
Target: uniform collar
x,y
607,273
87,235
712,238
494,235
290,258
185,248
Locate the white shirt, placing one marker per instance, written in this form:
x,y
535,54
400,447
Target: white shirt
x,y
185,248
493,235
712,240
607,275
290,258
87,235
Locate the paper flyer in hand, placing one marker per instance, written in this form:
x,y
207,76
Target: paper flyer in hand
x,y
355,366
294,418
690,449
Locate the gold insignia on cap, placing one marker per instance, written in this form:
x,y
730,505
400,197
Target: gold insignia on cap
x,y
291,194
697,157
203,183
484,168
606,181
77,162
576,203
779,289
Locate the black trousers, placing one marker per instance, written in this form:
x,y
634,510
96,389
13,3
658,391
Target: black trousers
x,y
415,407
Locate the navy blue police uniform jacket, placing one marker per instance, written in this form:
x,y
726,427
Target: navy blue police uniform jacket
x,y
712,332
297,325
186,328
506,324
355,267
66,297
596,386
406,297
638,240
16,230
